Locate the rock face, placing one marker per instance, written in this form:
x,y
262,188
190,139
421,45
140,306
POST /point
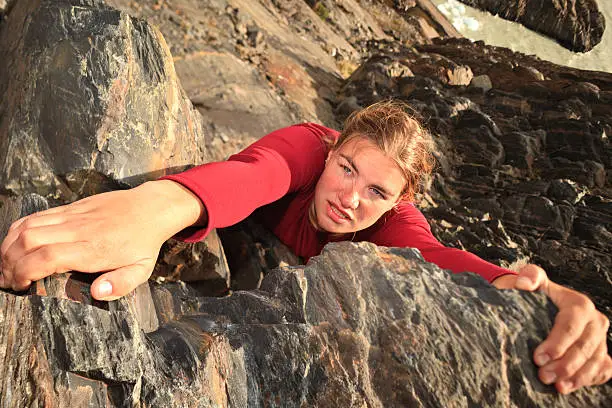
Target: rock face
x,y
524,173
524,167
86,87
359,325
578,25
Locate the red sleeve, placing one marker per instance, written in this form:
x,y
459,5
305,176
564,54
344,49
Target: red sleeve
x,y
280,162
408,228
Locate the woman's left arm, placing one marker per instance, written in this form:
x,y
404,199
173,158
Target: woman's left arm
x,y
575,353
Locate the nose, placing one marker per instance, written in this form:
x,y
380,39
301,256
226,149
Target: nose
x,y
350,198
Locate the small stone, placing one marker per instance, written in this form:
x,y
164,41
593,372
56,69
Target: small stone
x,y
481,82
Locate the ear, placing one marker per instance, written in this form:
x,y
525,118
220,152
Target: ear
x,y
329,154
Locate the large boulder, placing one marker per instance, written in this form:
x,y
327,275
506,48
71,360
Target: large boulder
x,y
358,326
86,87
91,103
577,25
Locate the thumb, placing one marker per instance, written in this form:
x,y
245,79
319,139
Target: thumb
x,y
119,282
531,277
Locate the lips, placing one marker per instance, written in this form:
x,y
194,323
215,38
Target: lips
x,y
337,214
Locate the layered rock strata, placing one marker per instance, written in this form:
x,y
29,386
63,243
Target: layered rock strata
x,y
359,325
578,25
523,151
87,87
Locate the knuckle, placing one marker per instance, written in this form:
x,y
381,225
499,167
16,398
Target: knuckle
x,y
28,239
571,329
574,365
47,254
585,348
584,304
554,351
566,370
605,321
28,223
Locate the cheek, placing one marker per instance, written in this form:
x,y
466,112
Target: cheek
x,y
328,182
374,211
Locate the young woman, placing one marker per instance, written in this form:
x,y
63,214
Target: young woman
x,y
310,185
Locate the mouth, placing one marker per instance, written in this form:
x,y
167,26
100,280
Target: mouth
x,y
336,213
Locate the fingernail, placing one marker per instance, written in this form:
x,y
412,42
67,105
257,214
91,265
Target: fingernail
x,y
566,385
548,377
105,288
523,281
542,359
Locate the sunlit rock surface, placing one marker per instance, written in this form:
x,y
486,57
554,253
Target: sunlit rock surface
x,y
577,24
523,173
359,325
85,86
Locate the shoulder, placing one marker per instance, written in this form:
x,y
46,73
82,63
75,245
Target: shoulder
x,y
404,225
405,213
297,139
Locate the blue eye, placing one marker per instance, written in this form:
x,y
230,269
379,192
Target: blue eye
x,y
377,192
347,170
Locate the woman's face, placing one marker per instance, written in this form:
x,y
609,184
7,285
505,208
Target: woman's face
x,y
359,184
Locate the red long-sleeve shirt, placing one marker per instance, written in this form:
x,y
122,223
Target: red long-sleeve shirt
x,y
277,176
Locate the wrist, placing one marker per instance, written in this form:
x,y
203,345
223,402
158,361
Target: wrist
x,y
505,281
177,207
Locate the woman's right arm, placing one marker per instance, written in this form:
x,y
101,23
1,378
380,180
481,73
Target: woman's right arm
x,y
279,163
121,232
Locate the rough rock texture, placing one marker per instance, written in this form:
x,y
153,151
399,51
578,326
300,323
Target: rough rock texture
x,y
252,251
272,63
524,172
202,262
358,326
524,168
86,87
576,24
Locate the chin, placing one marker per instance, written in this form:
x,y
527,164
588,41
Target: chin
x,y
332,228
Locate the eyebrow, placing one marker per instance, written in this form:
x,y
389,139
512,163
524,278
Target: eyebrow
x,y
352,163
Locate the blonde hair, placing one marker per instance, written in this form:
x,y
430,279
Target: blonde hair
x,y
392,126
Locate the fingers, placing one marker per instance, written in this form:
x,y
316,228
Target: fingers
x,y
34,221
54,210
569,326
50,259
28,241
531,277
115,284
597,370
587,348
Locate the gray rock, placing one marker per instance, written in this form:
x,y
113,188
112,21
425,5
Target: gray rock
x,y
358,325
577,25
96,91
481,82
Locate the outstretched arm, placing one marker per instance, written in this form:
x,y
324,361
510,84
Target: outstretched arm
x,y
575,353
120,232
